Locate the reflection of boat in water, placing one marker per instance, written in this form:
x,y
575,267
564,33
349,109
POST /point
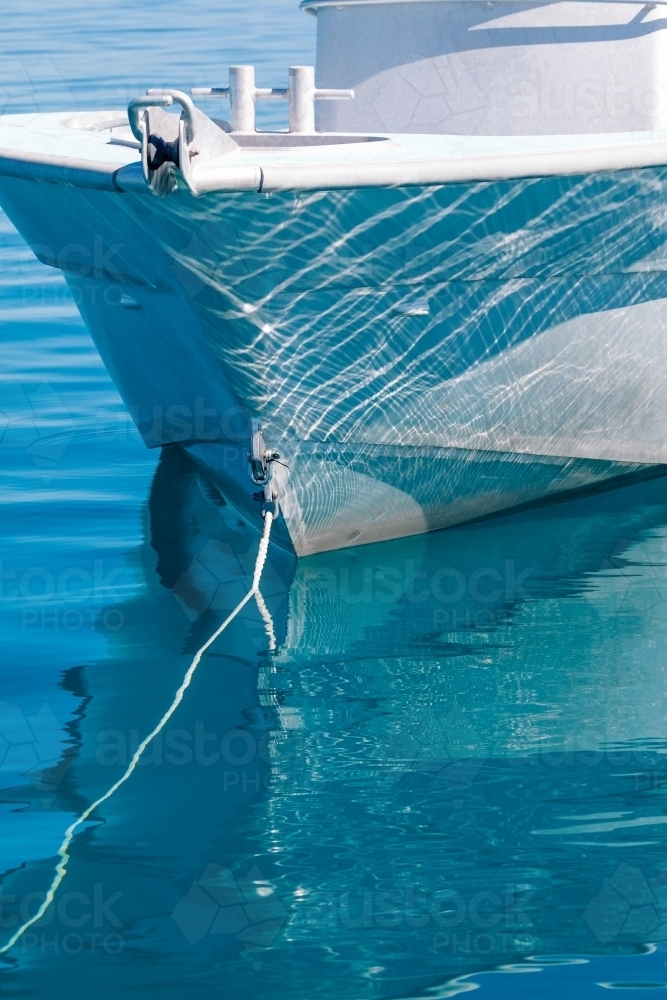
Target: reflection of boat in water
x,y
416,789
447,302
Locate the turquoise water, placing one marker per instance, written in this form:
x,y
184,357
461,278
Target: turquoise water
x,y
449,775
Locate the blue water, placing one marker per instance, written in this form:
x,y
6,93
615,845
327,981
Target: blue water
x,y
451,773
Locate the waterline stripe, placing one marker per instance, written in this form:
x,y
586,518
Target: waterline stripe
x,y
61,867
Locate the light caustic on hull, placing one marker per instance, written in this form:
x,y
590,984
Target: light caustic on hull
x,y
430,328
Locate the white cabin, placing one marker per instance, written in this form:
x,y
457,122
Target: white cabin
x,y
492,68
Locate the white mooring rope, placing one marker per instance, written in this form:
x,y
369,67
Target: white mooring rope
x,y
61,867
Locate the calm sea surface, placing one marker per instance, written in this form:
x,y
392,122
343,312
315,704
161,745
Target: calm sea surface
x,y
450,775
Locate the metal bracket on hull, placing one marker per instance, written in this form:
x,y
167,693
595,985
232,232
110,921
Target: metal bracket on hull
x,y
261,460
259,456
169,144
171,147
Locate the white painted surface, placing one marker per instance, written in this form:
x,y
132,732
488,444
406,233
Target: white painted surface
x,y
491,69
350,509
587,388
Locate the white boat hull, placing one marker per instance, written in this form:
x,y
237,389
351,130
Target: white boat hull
x,y
419,356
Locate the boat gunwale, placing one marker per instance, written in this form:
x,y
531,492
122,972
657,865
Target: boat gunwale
x,y
265,169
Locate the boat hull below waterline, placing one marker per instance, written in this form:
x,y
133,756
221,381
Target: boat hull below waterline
x,y
420,355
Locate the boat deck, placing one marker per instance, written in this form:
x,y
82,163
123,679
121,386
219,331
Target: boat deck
x,y
49,147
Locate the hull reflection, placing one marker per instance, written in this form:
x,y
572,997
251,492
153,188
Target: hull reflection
x,y
429,778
